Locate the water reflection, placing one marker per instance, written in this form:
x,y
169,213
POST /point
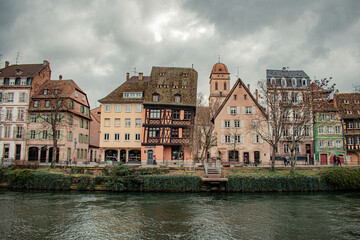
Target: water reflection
x,y
64,215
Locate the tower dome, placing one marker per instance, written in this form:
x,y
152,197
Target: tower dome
x,y
219,68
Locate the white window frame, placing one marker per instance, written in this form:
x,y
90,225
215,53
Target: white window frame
x,y
138,108
106,137
127,107
117,137
107,107
127,137
137,122
137,137
117,107
127,122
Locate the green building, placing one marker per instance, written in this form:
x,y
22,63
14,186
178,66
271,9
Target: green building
x,y
328,134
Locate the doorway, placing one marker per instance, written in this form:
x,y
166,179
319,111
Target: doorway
x,y
150,156
123,156
246,158
43,154
323,159
17,151
256,158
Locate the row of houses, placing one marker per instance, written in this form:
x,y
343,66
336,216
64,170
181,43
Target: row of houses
x,y
154,119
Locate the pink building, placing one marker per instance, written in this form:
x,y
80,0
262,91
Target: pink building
x,y
73,122
94,142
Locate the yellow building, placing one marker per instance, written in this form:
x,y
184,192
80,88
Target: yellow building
x,y
121,121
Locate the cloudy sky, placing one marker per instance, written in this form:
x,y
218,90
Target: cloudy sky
x,y
97,42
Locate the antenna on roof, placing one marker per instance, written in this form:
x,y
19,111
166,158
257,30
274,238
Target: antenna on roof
x,y
219,57
133,70
18,55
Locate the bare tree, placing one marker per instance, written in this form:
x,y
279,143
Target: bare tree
x,y
204,135
278,106
53,117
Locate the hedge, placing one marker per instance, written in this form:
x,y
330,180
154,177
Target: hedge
x,y
275,183
172,183
342,178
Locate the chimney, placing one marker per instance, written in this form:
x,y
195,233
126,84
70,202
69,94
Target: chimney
x,y
248,86
141,75
127,76
284,69
256,94
60,77
46,63
6,63
337,91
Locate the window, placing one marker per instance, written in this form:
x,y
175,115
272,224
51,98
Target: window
x,y
227,123
10,97
248,110
321,129
187,115
307,131
357,125
9,114
256,138
225,87
44,134
329,129
7,131
19,132
86,124
357,140
127,136
117,122
233,110
45,91
138,122
32,134
338,143
332,117
255,123
155,97
137,136
107,108
346,101
155,113
69,136
227,139
337,129
6,150
237,124
47,104
76,94
83,98
57,135
350,141
350,125
216,86
71,104
106,122
245,96
176,114
138,108
330,143
186,133
127,122
106,137
324,116
132,95
304,82
128,108
295,97
22,97
283,82
21,113
238,138
82,109
284,97
293,82
117,107
286,148
154,132
177,98
235,96
80,138
175,133
117,137
45,118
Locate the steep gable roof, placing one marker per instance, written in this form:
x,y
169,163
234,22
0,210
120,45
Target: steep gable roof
x,y
131,85
238,82
348,105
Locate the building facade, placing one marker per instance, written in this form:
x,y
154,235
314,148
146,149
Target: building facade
x,y
17,84
219,85
348,106
237,142
293,86
63,103
169,113
94,141
328,134
121,121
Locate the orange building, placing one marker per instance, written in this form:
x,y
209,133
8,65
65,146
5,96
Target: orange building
x,y
169,112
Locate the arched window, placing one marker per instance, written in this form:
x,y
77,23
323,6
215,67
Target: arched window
x,y
17,81
283,81
224,85
303,82
216,86
155,97
273,81
293,82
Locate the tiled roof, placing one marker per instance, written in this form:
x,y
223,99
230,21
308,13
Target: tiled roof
x,y
219,68
131,85
348,105
21,70
94,113
66,87
324,106
170,81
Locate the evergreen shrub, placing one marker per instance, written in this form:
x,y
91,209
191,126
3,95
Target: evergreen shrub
x,y
171,183
342,178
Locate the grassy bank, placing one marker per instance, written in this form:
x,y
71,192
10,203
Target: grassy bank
x,y
123,178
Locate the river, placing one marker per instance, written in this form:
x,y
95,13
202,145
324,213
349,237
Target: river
x,y
78,215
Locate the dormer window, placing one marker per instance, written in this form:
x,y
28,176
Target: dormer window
x,y
177,98
76,94
293,82
283,81
349,112
304,82
357,101
155,97
346,101
83,98
45,92
47,104
273,81
185,75
6,81
36,103
162,74
18,72
56,91
17,81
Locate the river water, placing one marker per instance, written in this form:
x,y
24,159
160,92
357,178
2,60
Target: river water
x,y
77,215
